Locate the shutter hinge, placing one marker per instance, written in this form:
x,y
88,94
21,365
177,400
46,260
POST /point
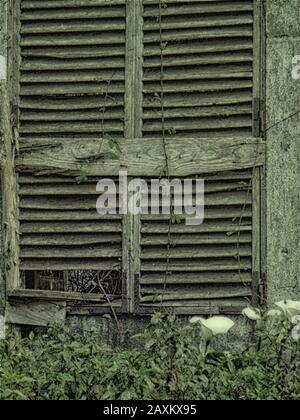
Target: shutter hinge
x,y
257,117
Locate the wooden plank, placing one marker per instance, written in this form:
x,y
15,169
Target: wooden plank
x,y
200,266
199,8
196,239
47,295
69,239
53,4
72,26
191,252
70,264
202,59
133,124
74,13
207,227
193,22
70,227
195,294
80,252
145,157
38,314
202,33
9,192
196,279
256,236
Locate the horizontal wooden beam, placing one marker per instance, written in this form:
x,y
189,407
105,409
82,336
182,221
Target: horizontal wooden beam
x,y
141,157
48,295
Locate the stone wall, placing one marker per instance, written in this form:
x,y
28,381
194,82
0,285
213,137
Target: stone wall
x,y
283,151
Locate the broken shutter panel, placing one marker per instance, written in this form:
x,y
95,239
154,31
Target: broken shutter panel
x,y
73,68
201,268
198,68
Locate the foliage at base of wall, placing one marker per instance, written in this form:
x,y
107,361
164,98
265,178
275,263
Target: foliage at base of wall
x,y
56,365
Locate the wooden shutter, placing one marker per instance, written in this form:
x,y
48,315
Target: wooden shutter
x,y
200,82
72,86
154,87
206,267
73,68
200,55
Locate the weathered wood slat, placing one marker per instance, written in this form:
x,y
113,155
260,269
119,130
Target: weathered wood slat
x,y
203,59
145,157
71,76
193,239
196,279
69,264
53,4
47,295
198,86
200,47
195,22
68,46
203,33
199,8
85,189
196,294
94,115
202,73
70,227
191,252
208,227
212,111
198,123
51,203
96,25
210,307
69,239
71,103
199,266
73,13
115,126
105,251
200,99
71,88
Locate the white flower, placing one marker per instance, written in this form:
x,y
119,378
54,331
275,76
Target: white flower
x,y
252,313
218,324
213,326
289,307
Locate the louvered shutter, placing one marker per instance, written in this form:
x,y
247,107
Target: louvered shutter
x,y
174,85
72,86
200,55
199,82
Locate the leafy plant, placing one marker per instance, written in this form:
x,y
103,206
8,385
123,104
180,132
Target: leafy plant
x,y
62,365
